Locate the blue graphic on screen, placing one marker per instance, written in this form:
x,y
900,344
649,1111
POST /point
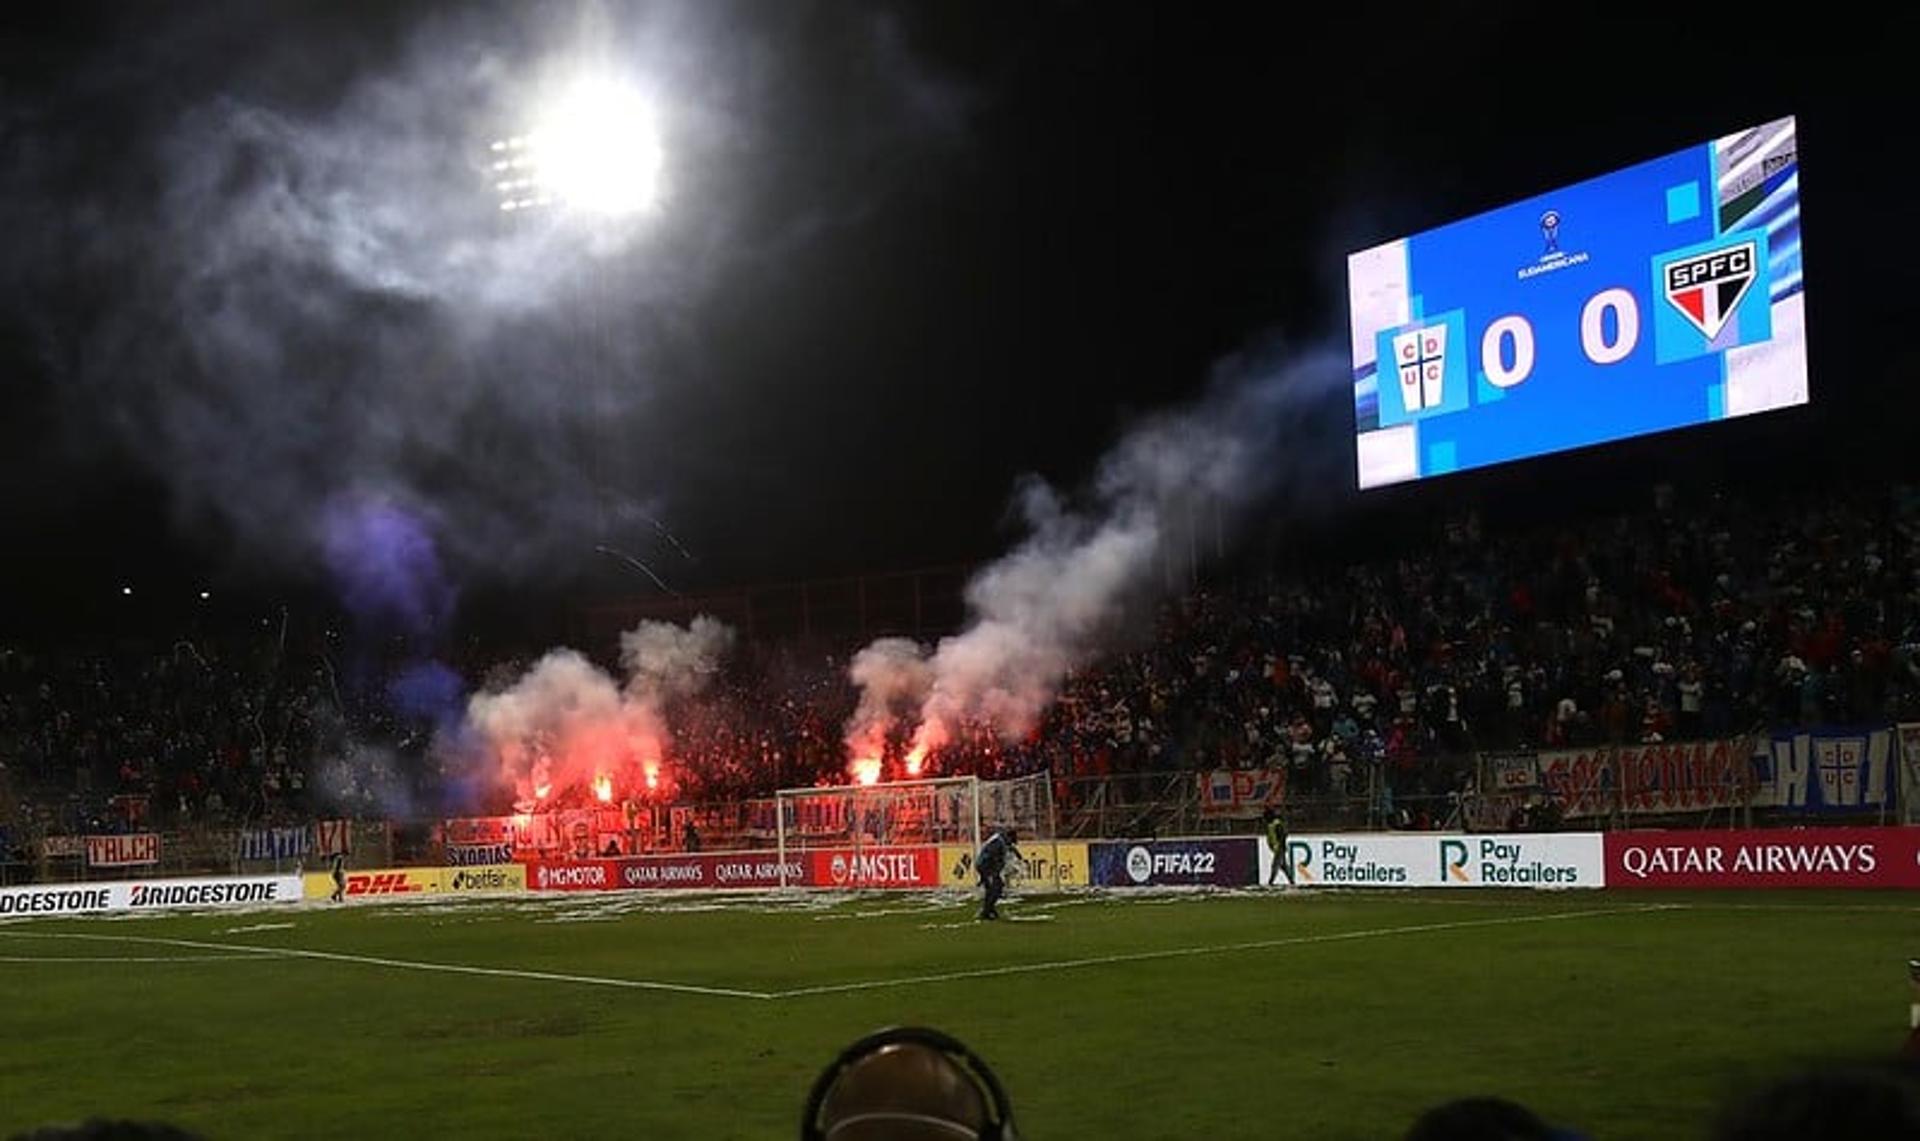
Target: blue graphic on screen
x,y
1605,310
1713,295
1428,373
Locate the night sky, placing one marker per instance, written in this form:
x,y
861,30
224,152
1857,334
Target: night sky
x,y
909,254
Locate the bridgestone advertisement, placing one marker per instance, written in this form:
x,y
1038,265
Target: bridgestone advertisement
x,y
65,900
148,895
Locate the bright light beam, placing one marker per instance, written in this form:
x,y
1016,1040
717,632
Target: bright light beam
x,y
595,149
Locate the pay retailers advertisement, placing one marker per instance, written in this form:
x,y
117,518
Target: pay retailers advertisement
x,y
1523,860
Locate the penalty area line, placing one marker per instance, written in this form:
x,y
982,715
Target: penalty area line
x,y
1216,949
416,965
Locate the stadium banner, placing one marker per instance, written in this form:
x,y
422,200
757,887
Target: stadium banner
x,y
60,899
274,843
1826,771
1440,860
1226,862
1581,781
148,895
63,847
1910,772
1047,864
917,866
1684,776
582,875
1821,772
1513,772
724,870
1765,858
237,891
576,833
138,849
332,838
1241,793
395,882
478,855
1656,779
1050,864
487,877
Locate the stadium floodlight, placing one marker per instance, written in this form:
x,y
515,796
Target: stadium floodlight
x,y
595,149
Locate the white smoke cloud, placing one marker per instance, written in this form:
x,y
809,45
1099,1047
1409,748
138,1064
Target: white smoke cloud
x,y
1085,573
567,725
665,661
291,283
893,677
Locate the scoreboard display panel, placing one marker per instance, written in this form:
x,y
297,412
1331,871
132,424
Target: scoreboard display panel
x,y
1655,297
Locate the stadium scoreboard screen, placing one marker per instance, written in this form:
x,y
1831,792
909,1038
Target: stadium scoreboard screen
x,y
1655,297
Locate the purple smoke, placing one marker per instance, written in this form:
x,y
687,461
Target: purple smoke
x,y
384,564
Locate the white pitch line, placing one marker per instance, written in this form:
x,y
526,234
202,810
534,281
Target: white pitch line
x,y
842,988
1803,908
416,965
119,958
1218,949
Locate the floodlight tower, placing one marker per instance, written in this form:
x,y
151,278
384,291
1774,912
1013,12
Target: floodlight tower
x,y
594,149
593,153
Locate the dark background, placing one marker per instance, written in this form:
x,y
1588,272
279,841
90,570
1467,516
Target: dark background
x,y
1122,194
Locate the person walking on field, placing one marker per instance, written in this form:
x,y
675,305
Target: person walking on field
x,y
991,863
1276,828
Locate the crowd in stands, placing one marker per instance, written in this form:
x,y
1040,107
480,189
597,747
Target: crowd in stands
x,y
113,736
1702,619
1678,623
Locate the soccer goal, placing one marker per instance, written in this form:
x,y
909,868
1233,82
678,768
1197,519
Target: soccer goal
x,y
943,811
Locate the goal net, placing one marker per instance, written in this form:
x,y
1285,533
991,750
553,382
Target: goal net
x,y
944,811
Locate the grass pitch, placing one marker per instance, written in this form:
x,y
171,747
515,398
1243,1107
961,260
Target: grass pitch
x,y
1330,1015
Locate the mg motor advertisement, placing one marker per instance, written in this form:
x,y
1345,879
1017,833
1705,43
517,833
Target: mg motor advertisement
x,y
1773,858
585,875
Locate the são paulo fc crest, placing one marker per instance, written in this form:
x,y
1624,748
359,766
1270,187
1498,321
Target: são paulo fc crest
x,y
1712,296
1708,287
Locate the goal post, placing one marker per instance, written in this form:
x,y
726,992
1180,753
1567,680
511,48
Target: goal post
x,y
944,810
941,811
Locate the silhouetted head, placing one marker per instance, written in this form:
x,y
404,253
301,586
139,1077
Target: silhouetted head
x,y
907,1084
102,1129
1481,1119
1839,1103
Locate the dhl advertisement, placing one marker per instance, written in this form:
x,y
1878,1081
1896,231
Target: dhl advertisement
x,y
398,883
1047,864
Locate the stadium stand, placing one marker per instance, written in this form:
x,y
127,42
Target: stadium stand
x,y
1668,623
